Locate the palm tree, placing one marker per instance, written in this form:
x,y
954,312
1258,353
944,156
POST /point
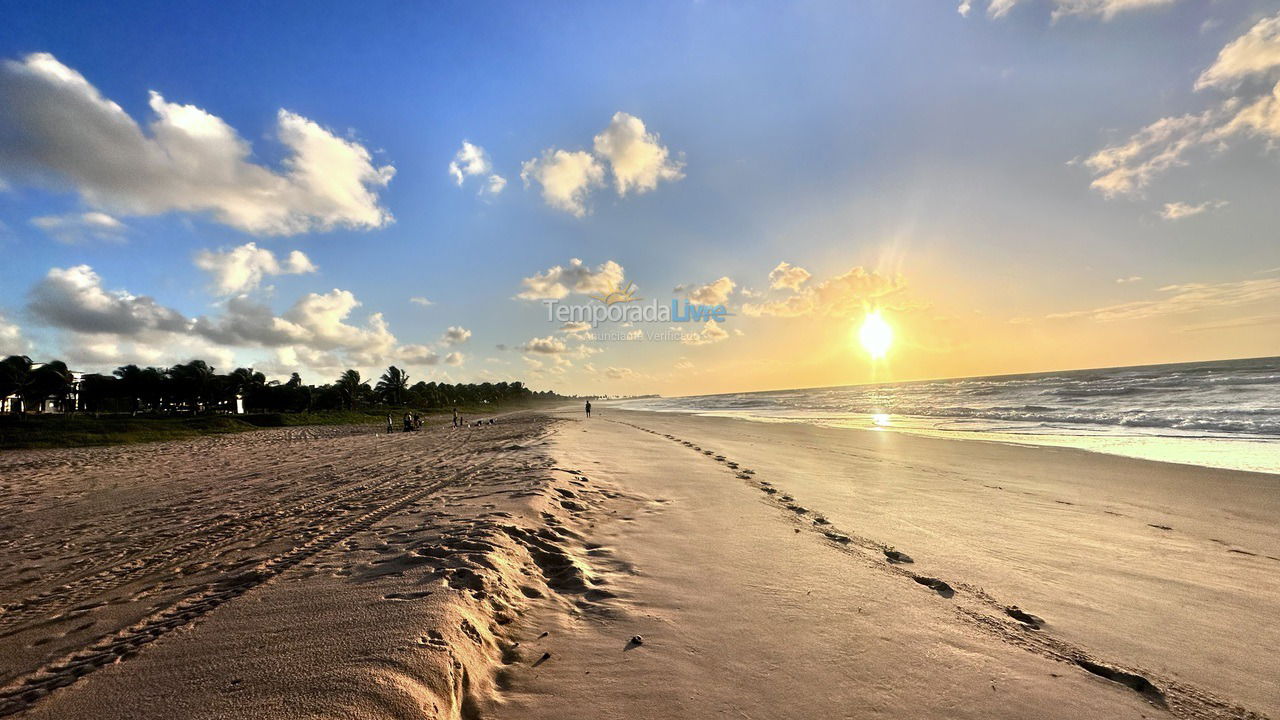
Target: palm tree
x,y
391,387
348,386
132,381
51,380
16,378
193,382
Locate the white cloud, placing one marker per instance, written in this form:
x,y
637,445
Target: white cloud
x,y
473,160
454,358
1106,9
73,299
74,228
317,321
567,178
12,341
558,281
548,345
575,329
242,268
1257,51
840,296
786,275
710,333
1180,210
58,129
965,7
1130,279
418,355
1127,167
713,293
420,301
635,155
620,373
456,335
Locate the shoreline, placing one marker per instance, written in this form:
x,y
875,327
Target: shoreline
x,y
1140,445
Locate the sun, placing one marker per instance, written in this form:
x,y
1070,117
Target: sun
x,y
875,335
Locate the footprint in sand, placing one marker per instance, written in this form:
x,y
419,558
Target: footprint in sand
x,y
935,585
407,595
1026,618
895,556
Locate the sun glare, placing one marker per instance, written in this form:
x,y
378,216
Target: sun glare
x,y
875,335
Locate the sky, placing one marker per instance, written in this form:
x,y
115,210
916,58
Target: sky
x,y
1012,185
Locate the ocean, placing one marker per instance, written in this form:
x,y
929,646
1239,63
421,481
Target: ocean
x,y
1218,414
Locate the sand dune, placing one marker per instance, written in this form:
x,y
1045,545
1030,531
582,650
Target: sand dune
x,y
637,565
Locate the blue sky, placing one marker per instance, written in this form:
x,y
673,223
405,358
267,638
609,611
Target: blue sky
x,y
945,155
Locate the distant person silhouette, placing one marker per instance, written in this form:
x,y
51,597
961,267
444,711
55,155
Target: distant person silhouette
x,y
588,408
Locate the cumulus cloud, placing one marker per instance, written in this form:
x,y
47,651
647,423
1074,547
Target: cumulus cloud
x,y
566,177
1129,279
56,129
713,293
74,299
456,335
710,333
242,268
786,275
840,296
1125,168
1180,210
636,156
549,345
418,355
420,301
472,160
1257,51
964,8
454,358
75,228
558,281
317,321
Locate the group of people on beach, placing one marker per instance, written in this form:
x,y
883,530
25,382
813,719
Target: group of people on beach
x,y
412,421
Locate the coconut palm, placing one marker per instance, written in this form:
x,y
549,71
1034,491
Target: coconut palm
x,y
51,380
193,382
392,385
348,387
16,378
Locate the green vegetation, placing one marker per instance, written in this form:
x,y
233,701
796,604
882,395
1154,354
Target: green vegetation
x,y
50,408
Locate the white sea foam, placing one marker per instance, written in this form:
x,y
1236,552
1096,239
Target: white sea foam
x,y
1223,414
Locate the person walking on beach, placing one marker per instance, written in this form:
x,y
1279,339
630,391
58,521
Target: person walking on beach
x,y
588,408
390,427
455,417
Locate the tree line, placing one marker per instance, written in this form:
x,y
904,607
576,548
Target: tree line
x,y
195,387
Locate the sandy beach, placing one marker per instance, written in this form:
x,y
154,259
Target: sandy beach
x,y
638,565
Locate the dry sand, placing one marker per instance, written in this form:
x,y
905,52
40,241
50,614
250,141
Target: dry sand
x,y
771,571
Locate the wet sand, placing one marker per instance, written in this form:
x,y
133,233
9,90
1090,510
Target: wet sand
x,y
768,571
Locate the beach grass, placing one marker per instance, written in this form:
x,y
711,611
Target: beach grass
x,y
85,429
